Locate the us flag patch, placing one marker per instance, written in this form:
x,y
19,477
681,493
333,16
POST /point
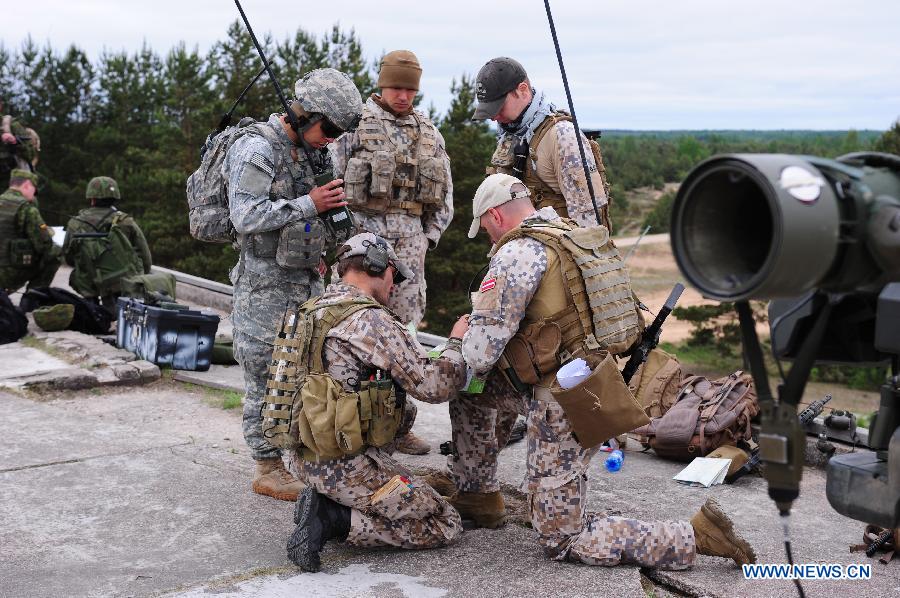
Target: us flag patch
x,y
488,284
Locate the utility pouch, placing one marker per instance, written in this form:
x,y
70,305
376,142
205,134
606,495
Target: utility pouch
x,y
264,245
316,423
534,352
300,244
21,252
432,181
601,406
383,166
386,413
356,181
400,498
347,425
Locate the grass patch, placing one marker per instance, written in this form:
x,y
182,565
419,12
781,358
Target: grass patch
x,y
703,360
36,343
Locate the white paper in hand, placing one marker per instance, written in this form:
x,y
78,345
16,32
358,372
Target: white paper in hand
x,y
573,373
704,471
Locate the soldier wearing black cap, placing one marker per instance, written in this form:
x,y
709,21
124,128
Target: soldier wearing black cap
x,y
537,144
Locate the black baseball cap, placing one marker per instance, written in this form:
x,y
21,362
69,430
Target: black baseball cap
x,y
496,79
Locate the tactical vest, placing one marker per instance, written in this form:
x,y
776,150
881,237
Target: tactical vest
x,y
542,194
583,305
307,410
298,245
396,168
16,249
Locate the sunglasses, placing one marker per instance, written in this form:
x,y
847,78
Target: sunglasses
x,y
331,130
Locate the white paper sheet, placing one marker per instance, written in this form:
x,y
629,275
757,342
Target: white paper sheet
x,y
704,471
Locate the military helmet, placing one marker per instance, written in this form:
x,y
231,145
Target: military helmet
x,y
331,93
51,318
102,187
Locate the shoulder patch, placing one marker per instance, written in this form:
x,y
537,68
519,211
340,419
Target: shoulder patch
x,y
263,163
488,284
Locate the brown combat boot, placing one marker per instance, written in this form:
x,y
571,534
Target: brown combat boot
x,y
441,482
410,444
272,479
715,536
486,509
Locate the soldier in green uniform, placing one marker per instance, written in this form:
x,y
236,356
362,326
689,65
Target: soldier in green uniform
x,y
133,252
27,252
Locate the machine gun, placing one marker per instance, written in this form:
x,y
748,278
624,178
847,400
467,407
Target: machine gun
x,y
805,417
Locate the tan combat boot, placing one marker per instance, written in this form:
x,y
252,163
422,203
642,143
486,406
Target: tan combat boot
x,y
486,509
272,479
715,536
410,444
441,482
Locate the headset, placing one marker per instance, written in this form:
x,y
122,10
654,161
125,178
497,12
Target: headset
x,y
377,259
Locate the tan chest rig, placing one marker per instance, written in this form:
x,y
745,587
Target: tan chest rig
x,y
396,168
305,408
543,195
584,306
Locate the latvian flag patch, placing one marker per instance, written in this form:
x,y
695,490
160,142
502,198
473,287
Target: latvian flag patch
x,y
488,284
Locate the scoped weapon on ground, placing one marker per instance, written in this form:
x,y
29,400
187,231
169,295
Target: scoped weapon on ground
x,y
822,239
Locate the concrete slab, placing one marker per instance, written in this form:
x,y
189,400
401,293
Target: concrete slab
x,y
18,360
225,377
146,490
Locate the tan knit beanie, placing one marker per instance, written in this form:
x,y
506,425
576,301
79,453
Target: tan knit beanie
x,y
400,69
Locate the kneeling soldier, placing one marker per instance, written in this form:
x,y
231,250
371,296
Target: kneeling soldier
x,y
342,367
554,291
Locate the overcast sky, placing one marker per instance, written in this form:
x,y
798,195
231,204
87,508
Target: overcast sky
x,y
632,64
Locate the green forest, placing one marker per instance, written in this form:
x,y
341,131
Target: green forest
x,y
141,118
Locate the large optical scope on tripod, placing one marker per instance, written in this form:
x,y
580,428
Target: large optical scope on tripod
x,y
819,239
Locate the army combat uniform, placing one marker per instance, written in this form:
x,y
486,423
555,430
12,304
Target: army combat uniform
x,y
371,342
268,186
397,179
27,251
524,285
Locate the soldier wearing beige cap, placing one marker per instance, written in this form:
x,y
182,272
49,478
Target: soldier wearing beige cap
x,y
397,180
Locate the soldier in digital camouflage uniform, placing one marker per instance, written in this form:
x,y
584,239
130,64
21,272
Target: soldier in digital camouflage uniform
x,y
27,252
524,281
102,192
531,125
339,500
274,207
411,202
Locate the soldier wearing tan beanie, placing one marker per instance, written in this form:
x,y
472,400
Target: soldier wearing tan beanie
x,y
397,181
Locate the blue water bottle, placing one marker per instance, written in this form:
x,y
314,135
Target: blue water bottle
x,y
614,461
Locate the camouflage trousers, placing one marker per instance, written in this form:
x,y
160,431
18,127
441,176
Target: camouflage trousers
x,y
556,483
417,518
254,356
37,276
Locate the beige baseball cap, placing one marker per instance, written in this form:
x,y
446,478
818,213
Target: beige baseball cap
x,y
494,191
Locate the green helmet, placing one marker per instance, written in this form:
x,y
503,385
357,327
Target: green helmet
x,y
331,93
51,318
102,187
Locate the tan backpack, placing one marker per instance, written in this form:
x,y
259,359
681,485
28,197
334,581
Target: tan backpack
x,y
706,415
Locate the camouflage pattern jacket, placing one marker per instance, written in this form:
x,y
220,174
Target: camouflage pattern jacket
x,y
268,188
498,307
433,222
97,219
373,339
27,223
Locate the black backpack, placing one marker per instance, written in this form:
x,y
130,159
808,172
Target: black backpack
x,y
89,317
13,323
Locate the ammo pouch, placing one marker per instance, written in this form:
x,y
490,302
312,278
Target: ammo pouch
x,y
432,181
21,253
601,406
300,244
534,352
380,410
356,181
383,166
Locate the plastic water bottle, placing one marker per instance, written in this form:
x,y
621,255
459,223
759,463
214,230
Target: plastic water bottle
x,y
614,461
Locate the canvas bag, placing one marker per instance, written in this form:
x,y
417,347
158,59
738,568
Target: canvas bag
x,y
706,415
